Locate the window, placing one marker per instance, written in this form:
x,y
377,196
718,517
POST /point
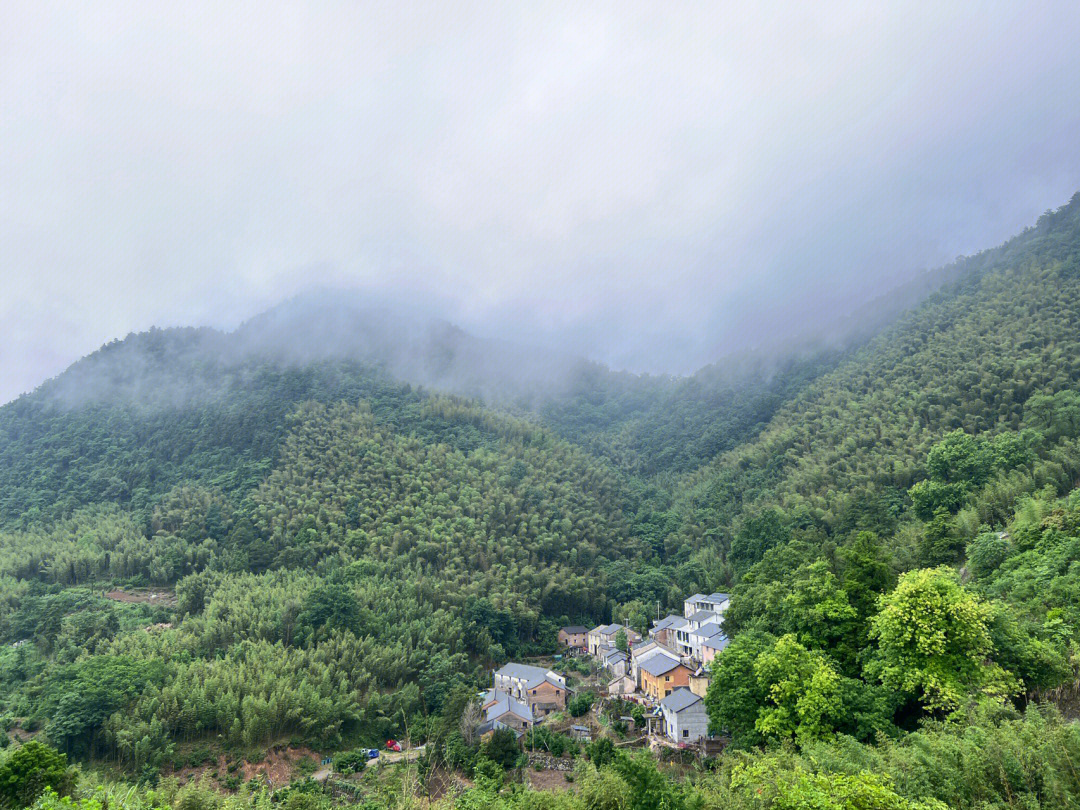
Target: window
x,y
667,692
686,732
667,677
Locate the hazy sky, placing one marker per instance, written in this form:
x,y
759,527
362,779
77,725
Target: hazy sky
x,y
648,184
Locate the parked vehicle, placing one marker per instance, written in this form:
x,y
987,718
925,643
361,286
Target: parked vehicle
x,y
393,745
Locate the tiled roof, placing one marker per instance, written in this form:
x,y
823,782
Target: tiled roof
x,y
658,665
532,676
680,699
702,616
667,622
574,629
505,704
717,642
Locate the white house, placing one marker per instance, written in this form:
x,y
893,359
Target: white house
x,y
603,635
616,662
684,715
713,603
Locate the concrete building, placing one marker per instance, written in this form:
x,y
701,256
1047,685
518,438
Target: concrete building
x,y
508,711
604,635
685,718
645,651
543,690
713,603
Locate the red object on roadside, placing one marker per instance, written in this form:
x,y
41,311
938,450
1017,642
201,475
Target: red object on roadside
x,y
393,745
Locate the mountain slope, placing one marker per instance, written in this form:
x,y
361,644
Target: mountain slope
x,y
843,452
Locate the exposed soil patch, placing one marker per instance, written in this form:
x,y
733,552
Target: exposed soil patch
x,y
148,596
276,769
547,780
278,765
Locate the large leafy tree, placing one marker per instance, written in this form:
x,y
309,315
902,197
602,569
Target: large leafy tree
x,y
29,770
734,695
802,689
934,642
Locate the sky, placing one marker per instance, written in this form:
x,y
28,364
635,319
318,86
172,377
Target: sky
x,y
652,185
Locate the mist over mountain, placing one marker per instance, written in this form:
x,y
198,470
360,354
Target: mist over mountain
x,y
327,527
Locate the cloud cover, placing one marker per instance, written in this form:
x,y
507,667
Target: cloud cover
x,y
651,185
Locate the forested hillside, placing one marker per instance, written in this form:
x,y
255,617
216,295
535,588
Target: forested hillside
x,y
996,353
325,528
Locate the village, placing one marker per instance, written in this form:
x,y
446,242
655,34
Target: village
x,y
667,674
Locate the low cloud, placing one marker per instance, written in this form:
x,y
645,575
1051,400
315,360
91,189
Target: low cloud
x,y
647,185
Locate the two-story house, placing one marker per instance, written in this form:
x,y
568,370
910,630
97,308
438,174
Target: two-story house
x,y
542,689
643,652
685,718
713,603
660,676
604,635
507,710
575,636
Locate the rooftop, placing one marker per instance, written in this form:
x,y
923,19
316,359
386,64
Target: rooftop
x,y
505,703
575,629
679,699
702,616
671,621
532,676
717,642
658,665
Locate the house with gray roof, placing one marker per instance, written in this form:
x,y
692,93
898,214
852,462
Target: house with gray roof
x,y
684,715
616,662
713,602
542,689
508,710
605,634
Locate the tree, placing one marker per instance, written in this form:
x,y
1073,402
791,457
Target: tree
x,y
802,689
28,770
580,704
620,641
867,572
332,606
502,747
818,611
934,642
735,695
986,552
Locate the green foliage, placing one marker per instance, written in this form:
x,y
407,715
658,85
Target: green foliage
x,y
620,641
349,554
934,642
28,770
802,690
579,704
502,748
